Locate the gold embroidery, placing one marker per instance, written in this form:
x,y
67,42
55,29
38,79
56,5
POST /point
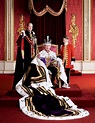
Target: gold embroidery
x,y
31,35
65,54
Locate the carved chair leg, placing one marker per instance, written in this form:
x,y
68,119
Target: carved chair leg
x,y
59,83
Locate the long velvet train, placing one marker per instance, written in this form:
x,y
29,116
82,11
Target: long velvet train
x,y
40,100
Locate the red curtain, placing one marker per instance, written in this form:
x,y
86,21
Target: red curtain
x,y
54,26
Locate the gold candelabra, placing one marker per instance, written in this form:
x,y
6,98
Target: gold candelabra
x,y
74,30
21,24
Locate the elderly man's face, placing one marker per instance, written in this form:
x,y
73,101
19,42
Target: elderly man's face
x,y
47,47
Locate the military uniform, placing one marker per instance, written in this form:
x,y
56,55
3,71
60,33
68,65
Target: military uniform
x,y
67,55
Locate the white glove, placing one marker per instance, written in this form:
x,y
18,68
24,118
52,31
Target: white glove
x,y
33,32
58,59
23,33
72,63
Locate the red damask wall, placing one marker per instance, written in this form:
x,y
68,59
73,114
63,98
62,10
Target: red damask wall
x,y
93,31
20,8
75,7
2,29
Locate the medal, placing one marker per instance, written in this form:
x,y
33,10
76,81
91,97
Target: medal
x,y
31,35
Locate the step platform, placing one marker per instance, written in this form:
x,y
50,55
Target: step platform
x,y
75,73
73,91
82,98
86,101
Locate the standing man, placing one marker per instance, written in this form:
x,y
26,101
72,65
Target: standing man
x,y
26,43
67,55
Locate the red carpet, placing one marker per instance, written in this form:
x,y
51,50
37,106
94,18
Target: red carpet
x,y
82,92
80,97
14,115
75,73
73,91
6,81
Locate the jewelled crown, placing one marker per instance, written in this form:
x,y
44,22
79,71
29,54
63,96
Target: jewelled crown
x,y
47,41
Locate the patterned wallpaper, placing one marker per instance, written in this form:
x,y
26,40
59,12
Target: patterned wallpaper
x,y
2,27
20,8
93,31
75,7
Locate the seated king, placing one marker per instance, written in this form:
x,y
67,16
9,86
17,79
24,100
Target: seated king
x,y
53,64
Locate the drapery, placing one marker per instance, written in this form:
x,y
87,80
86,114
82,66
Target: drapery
x,y
48,18
47,7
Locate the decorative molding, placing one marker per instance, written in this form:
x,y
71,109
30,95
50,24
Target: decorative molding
x,y
8,67
9,30
87,29
85,66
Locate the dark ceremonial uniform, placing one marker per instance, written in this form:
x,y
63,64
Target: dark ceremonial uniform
x,y
67,55
26,44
